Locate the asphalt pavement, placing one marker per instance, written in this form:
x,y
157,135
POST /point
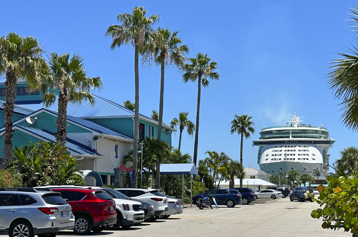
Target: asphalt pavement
x,y
265,218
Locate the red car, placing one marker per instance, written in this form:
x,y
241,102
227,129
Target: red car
x,y
94,209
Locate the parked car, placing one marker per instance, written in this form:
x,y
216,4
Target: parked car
x,y
147,208
93,208
247,194
160,204
175,207
268,193
303,188
225,196
285,191
299,195
129,212
28,212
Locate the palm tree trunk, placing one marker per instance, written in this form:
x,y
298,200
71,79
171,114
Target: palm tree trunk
x,y
241,147
136,114
62,118
197,122
181,131
10,87
161,102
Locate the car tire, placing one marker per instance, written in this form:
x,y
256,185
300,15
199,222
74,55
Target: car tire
x,y
230,203
165,216
245,201
98,229
256,197
83,225
118,225
291,199
21,228
273,197
126,227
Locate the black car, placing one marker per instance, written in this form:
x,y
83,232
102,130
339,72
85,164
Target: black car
x,y
247,195
299,195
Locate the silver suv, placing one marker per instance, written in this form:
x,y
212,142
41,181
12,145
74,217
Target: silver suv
x,y
27,212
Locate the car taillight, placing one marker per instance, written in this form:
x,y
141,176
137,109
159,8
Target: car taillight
x,y
157,199
252,194
125,207
48,210
177,202
238,195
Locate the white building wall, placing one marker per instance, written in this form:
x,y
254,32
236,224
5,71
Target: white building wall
x,y
112,156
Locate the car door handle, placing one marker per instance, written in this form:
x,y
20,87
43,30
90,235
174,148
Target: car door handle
x,y
12,210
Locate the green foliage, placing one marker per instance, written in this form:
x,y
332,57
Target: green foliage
x,y
10,178
45,163
338,204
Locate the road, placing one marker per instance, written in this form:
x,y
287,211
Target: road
x,y
272,218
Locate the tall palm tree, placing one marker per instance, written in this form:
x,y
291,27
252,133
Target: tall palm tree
x,y
20,59
218,164
134,29
343,80
244,127
183,122
349,159
167,49
69,78
200,68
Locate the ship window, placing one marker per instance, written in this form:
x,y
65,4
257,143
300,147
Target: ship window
x,y
294,159
266,159
279,159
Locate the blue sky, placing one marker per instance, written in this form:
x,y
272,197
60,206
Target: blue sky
x,y
273,59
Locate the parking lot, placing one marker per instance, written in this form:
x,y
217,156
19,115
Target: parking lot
x,y
278,217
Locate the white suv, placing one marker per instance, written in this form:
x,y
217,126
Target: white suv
x,y
129,212
160,204
27,212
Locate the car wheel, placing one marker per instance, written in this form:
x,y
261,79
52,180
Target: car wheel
x,y
118,225
256,197
165,216
273,196
126,227
245,201
230,203
83,225
98,229
291,199
21,229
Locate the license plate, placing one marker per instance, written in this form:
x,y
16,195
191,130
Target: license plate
x,y
64,214
111,208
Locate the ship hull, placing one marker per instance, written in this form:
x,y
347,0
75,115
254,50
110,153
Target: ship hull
x,y
283,167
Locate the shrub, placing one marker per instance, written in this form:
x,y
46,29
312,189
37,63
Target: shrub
x,y
10,179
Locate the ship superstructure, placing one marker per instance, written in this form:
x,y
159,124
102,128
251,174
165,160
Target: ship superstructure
x,y
295,146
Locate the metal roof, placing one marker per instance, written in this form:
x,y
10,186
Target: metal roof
x,y
46,136
181,168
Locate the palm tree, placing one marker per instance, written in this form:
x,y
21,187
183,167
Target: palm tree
x,y
183,122
155,116
243,126
218,164
20,59
234,169
200,68
134,29
129,105
69,78
343,80
349,160
167,49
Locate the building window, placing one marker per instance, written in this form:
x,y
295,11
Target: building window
x,y
252,177
141,131
150,132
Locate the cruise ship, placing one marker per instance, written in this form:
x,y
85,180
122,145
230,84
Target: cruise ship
x,y
295,146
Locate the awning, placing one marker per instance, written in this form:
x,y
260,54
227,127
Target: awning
x,y
180,168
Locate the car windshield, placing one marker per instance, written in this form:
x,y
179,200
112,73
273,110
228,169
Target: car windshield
x,y
54,199
102,195
117,194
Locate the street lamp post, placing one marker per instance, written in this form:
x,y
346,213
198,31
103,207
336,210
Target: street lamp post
x,y
141,163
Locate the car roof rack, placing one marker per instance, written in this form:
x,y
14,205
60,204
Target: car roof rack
x,y
32,190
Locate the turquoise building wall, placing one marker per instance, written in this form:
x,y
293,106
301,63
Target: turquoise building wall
x,y
19,139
